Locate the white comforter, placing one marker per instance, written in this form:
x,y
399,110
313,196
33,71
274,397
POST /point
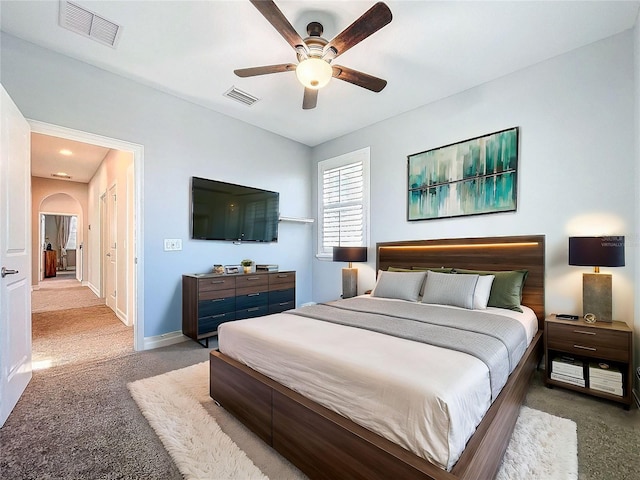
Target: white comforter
x,y
424,398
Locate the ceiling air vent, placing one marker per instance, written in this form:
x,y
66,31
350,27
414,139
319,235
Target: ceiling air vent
x,y
240,96
89,24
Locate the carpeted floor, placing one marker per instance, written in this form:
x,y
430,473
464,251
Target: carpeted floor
x,y
78,335
62,294
78,421
543,446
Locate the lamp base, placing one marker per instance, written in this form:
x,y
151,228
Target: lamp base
x,y
596,295
349,282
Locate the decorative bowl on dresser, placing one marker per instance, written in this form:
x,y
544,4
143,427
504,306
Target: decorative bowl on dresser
x,y
592,358
211,299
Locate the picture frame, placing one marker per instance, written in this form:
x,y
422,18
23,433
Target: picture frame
x,y
472,177
232,269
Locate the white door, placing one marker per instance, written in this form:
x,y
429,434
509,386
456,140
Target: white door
x,y
15,255
112,252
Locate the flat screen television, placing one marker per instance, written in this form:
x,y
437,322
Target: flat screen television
x,y
225,211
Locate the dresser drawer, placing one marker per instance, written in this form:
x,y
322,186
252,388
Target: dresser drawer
x,y
216,283
595,342
281,306
207,308
284,295
257,282
282,280
252,300
211,324
252,312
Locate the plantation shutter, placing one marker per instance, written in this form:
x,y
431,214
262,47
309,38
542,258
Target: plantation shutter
x,y
343,199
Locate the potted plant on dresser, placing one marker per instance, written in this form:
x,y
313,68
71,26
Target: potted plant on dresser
x,y
247,264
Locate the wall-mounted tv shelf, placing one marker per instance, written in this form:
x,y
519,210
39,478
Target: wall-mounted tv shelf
x,y
210,299
296,219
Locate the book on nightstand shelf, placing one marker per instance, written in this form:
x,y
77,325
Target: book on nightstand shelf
x,y
608,388
568,366
568,379
605,371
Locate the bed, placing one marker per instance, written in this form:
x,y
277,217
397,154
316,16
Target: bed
x,y
326,444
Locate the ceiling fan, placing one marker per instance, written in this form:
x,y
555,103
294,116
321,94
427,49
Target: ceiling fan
x,y
315,54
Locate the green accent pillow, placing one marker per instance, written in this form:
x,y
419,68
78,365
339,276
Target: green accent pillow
x,y
506,291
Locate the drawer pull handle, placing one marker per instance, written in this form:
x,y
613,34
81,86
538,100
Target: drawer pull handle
x,y
219,315
584,333
217,281
253,294
283,275
284,303
217,300
254,309
253,278
585,348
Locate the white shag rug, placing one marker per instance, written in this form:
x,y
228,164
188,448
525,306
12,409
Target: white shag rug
x,y
542,445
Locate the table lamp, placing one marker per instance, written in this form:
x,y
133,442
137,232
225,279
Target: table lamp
x,y
350,274
596,287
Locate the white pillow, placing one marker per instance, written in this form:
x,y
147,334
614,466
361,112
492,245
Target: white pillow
x,y
483,290
450,289
400,285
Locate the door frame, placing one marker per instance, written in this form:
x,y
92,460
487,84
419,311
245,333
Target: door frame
x,y
137,150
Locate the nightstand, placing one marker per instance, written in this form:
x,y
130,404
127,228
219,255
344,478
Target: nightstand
x,y
589,345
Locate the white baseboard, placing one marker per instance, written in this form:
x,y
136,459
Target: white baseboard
x,y
164,340
92,288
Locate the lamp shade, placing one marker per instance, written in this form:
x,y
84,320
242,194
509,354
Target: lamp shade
x,y
349,254
596,251
314,73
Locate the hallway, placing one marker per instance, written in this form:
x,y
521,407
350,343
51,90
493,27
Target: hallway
x,y
71,325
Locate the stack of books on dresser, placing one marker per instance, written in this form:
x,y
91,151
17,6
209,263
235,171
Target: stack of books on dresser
x,y
568,370
605,378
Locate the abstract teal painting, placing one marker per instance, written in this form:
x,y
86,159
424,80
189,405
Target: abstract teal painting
x,y
472,177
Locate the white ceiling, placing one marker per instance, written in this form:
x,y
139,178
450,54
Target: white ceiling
x,y
80,164
430,50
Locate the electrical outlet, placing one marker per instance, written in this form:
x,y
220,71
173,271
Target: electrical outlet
x,y
172,244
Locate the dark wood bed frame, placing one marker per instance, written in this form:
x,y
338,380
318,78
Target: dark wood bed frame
x,y
326,445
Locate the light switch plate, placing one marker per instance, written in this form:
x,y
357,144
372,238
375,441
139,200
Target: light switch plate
x,y
172,244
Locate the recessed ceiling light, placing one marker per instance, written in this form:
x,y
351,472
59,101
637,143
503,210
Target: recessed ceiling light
x,y
66,152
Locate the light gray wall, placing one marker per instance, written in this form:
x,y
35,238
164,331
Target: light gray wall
x,y
180,140
576,166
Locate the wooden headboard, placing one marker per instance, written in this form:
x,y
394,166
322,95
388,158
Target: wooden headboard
x,y
487,253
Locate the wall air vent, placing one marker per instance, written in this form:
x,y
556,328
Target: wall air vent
x,y
62,176
240,96
89,24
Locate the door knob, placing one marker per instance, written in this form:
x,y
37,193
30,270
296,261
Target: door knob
x,y
5,271
108,254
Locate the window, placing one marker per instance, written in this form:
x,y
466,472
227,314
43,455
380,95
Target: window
x,y
343,202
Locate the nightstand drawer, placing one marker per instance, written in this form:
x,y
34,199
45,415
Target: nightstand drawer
x,y
595,342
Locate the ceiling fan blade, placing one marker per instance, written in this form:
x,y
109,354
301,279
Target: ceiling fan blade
x,y
369,23
360,79
253,71
310,99
275,17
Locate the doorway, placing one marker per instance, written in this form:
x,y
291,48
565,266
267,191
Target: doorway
x,y
62,250
128,278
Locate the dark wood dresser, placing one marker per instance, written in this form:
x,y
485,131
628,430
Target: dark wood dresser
x,y
210,299
50,263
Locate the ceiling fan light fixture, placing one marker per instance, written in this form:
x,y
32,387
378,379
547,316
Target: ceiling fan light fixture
x,y
314,73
